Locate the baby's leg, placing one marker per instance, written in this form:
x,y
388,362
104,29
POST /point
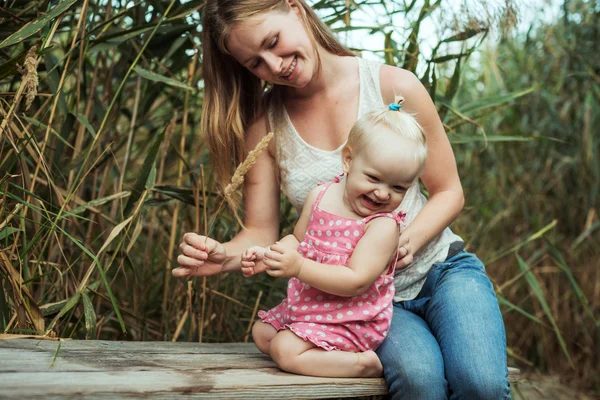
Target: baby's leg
x,y
293,354
262,334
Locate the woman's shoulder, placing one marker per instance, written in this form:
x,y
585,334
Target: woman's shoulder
x,y
395,80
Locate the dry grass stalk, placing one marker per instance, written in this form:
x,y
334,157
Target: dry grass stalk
x,y
242,170
256,304
30,76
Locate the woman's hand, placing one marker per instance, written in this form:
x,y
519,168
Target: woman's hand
x,y
283,261
405,252
252,261
200,256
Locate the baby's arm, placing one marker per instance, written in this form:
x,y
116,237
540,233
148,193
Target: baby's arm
x,y
372,255
252,258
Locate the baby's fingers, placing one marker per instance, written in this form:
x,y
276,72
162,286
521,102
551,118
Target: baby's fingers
x,y
272,264
277,248
247,271
275,273
272,255
248,255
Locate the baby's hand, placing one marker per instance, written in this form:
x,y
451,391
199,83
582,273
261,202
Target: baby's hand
x,y
252,261
283,261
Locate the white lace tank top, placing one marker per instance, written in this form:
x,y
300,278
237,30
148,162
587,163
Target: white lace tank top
x,y
303,166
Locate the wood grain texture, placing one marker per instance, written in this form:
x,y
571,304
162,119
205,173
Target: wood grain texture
x,y
103,369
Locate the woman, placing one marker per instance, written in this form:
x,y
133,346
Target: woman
x,y
447,336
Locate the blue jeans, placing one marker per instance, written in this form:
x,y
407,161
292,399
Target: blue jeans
x,y
449,342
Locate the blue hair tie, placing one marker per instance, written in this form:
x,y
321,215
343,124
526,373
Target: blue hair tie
x,y
394,106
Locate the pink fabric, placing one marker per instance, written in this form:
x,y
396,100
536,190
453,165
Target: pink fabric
x,y
357,323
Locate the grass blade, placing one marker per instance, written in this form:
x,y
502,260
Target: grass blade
x,y
153,76
539,293
578,292
90,317
37,24
502,301
140,182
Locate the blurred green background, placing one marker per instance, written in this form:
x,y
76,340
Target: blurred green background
x,y
102,168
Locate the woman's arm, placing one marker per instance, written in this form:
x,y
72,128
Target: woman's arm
x,y
372,255
253,257
201,256
440,177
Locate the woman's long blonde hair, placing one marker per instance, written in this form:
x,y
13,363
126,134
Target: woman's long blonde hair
x,y
233,96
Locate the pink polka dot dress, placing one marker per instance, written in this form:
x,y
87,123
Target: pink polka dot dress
x,y
357,323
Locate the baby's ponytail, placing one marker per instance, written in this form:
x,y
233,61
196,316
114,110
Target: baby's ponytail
x,y
395,120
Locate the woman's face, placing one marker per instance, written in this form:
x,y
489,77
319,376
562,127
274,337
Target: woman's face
x,y
275,47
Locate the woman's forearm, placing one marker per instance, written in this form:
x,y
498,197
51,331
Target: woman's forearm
x,y
439,212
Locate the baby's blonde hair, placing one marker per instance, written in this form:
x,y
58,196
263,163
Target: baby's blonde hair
x,y
397,122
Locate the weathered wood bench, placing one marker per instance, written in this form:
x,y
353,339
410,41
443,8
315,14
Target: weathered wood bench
x,y
32,368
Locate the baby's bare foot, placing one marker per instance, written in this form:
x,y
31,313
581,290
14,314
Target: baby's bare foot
x,y
370,363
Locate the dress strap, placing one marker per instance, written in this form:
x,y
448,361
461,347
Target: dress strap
x,y
338,178
399,217
326,185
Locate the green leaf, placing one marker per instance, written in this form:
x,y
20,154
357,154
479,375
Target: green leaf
x,y
10,67
467,34
152,76
452,88
503,302
98,202
68,306
7,231
580,295
142,178
42,126
151,177
37,24
90,317
84,121
448,57
55,353
461,139
495,101
112,235
539,293
516,247
52,308
53,80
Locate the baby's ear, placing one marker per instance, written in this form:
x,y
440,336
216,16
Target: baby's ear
x,y
346,159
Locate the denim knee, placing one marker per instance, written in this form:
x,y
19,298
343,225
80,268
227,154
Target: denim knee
x,y
415,382
482,387
422,383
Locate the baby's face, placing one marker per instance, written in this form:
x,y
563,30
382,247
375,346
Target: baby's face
x,y
379,175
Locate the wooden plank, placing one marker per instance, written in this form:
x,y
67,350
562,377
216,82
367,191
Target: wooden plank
x,y
14,360
145,347
99,369
264,383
